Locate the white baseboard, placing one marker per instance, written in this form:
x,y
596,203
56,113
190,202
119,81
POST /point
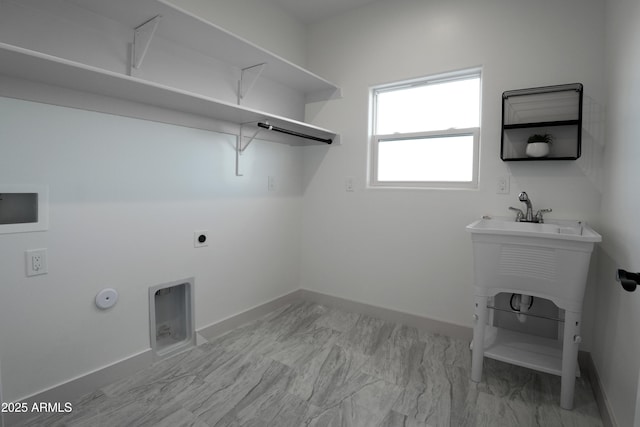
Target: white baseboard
x,y
586,363
218,328
421,322
84,384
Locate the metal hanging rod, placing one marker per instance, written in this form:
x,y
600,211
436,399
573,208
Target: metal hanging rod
x,y
294,133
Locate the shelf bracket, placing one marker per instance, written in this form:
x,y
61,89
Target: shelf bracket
x,y
142,36
248,78
240,147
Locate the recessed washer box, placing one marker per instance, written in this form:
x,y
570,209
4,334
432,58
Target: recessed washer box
x,y
171,317
24,208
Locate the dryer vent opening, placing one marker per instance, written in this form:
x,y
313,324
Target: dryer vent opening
x,y
171,317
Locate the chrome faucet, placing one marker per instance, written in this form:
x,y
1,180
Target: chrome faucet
x,y
524,198
528,216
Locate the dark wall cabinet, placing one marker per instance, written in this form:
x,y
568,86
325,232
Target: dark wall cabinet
x,y
555,111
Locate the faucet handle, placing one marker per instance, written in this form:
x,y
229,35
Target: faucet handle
x,y
539,218
519,214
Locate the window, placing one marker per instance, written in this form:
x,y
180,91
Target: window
x,y
425,133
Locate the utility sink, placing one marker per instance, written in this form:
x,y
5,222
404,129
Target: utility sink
x,y
558,229
549,260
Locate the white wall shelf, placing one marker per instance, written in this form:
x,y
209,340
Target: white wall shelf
x,y
23,64
186,29
40,76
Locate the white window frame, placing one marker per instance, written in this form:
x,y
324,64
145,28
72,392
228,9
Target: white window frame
x,y
375,139
475,132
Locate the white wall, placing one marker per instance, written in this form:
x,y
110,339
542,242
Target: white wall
x,y
260,21
616,351
126,196
407,249
125,199
140,189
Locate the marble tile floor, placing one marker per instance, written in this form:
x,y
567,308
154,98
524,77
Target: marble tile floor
x,y
310,365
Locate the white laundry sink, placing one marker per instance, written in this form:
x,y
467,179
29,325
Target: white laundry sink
x,y
549,260
559,229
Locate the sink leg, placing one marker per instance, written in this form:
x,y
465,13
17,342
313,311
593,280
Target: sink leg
x,y
480,315
570,345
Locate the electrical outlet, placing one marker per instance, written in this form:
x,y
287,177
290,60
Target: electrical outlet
x,y
36,262
502,185
200,239
348,184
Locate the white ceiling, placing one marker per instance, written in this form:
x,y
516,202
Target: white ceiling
x,y
310,11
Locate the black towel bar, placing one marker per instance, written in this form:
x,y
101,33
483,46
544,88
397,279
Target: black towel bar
x,y
294,133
